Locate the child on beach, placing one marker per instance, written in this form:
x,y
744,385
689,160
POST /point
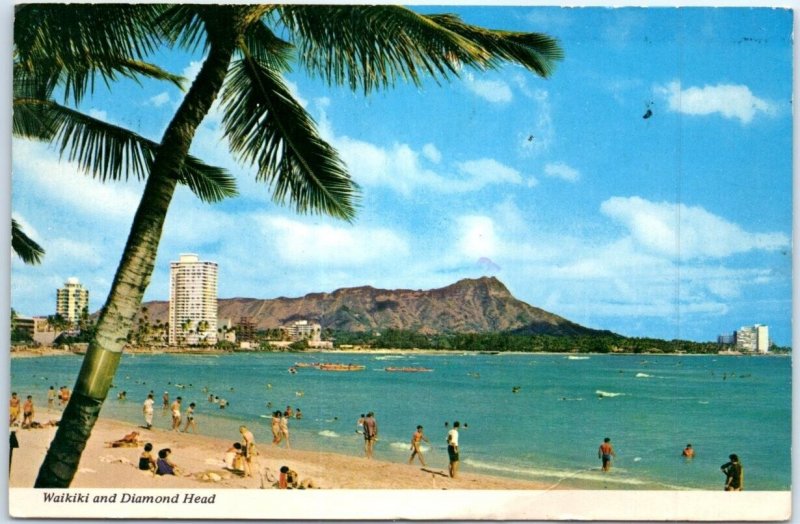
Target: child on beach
x,y
233,458
146,460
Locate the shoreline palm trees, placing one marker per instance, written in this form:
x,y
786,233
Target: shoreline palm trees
x,y
247,50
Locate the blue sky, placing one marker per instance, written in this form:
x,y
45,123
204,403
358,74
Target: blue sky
x,y
674,226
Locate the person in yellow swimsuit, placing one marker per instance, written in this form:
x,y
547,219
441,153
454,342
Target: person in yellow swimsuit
x,y
13,409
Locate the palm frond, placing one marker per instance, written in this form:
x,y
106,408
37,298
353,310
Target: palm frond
x,y
209,183
268,128
372,47
262,44
29,251
182,25
537,52
76,42
109,152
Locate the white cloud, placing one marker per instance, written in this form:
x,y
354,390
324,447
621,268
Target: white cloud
x,y
160,99
487,171
190,71
562,171
476,237
302,244
431,153
677,230
99,114
65,183
494,91
728,100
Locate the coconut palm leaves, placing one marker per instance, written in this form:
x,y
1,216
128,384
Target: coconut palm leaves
x,y
371,47
29,251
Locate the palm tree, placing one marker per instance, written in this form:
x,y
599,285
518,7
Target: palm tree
x,y
248,49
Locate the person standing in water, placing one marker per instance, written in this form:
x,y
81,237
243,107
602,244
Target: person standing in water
x,y
734,474
452,449
605,452
370,434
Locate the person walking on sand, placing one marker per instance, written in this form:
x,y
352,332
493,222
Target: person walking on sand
x,y
360,424
248,450
452,448
147,411
176,414
285,428
605,452
276,427
190,419
370,433
51,398
416,438
27,412
13,409
734,474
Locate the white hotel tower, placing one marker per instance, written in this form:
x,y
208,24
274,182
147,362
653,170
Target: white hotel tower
x,y
192,301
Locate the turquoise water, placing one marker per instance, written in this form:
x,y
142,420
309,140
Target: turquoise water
x,y
548,431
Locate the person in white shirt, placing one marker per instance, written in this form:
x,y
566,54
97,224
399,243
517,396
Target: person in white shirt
x,y
147,409
452,448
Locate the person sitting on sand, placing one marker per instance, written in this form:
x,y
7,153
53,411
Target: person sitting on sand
x,y
147,461
288,478
164,466
131,440
233,458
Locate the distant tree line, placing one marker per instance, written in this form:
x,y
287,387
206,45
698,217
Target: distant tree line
x,y
502,342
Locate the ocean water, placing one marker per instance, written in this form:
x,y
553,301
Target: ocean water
x,y
548,431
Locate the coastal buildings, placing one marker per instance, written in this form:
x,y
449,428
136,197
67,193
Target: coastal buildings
x,y
753,338
748,339
303,329
192,301
72,300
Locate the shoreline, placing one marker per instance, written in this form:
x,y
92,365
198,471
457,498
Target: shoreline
x,y
49,351
200,456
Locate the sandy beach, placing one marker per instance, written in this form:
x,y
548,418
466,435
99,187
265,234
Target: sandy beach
x,y
102,466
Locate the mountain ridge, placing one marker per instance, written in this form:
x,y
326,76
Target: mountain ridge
x,y
478,305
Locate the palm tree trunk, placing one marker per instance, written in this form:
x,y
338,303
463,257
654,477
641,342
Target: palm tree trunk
x,y
133,274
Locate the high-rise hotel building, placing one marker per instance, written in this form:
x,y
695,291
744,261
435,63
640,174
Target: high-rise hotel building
x,y
192,301
72,300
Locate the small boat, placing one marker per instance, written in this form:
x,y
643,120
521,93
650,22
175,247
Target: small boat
x,y
341,367
306,364
407,370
